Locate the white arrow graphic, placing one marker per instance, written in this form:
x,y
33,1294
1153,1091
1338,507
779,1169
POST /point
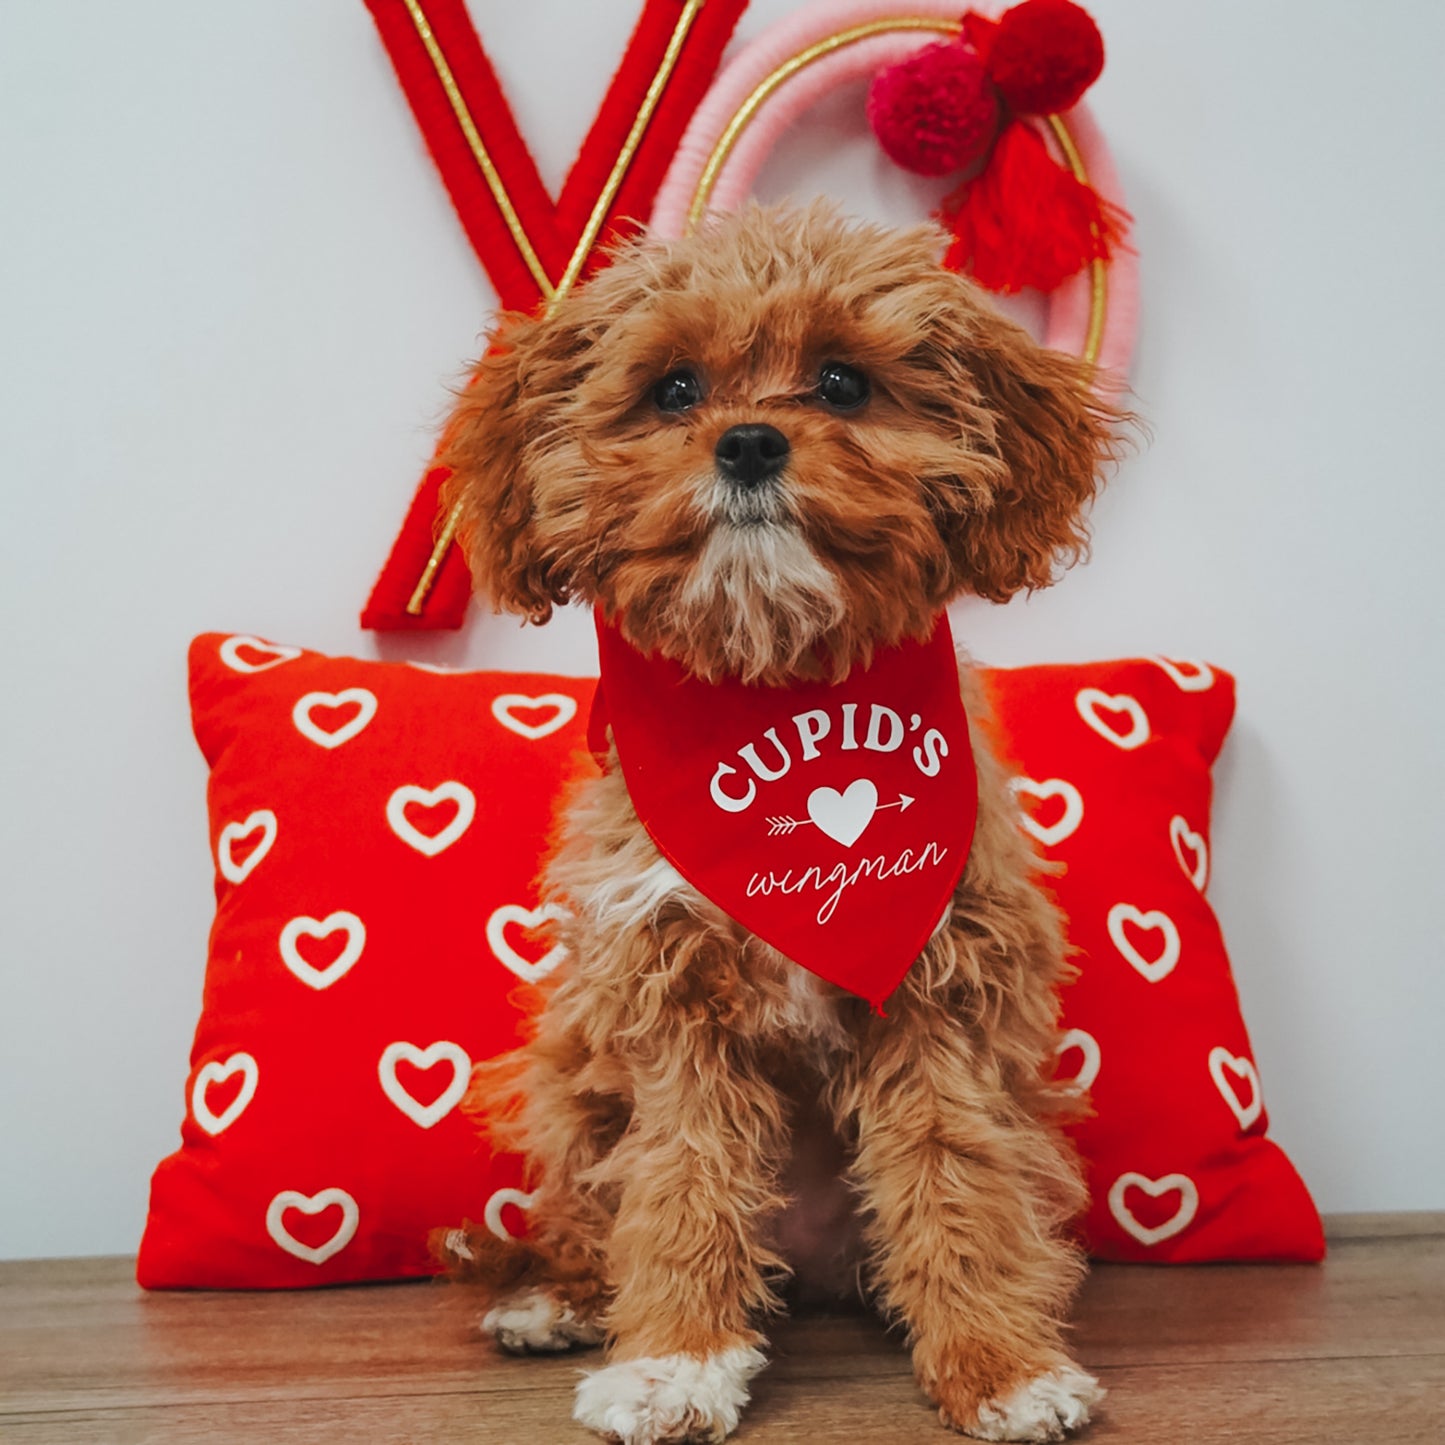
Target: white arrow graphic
x,y
780,825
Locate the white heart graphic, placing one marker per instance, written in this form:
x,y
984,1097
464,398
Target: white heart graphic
x,y
492,1213
1181,837
442,1052
309,974
410,834
843,816
1152,969
524,968
230,653
564,710
312,1204
1221,1059
1088,1046
216,1073
232,833
334,737
1091,699
1073,815
1198,678
1188,1204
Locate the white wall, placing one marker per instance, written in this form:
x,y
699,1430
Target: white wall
x,y
231,291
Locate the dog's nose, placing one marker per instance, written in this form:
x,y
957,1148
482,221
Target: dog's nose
x,y
751,455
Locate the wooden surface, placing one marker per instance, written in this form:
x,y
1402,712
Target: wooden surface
x,y
1347,1353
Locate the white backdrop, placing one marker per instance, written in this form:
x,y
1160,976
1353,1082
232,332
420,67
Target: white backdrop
x,y
232,292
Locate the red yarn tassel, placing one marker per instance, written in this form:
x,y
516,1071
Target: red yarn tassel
x,y
1025,221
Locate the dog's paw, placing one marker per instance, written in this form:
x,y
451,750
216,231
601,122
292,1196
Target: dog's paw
x,y
669,1400
1044,1408
536,1322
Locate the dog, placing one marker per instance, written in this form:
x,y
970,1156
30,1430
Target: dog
x,y
769,455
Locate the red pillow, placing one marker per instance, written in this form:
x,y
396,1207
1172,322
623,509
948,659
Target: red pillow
x,y
1115,783
377,828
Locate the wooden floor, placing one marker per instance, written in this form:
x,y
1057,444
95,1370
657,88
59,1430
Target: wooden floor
x,y
1349,1353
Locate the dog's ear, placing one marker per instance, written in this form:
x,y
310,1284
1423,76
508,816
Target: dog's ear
x,y
493,483
1045,436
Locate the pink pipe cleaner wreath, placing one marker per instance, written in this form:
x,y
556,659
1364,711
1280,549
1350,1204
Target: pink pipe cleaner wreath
x,y
782,74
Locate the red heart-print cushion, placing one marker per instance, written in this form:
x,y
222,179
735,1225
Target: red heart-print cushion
x,y
377,923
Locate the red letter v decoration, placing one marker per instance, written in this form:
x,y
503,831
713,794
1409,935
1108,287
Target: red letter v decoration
x,y
532,248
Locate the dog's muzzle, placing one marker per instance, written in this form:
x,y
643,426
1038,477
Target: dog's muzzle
x,y
751,456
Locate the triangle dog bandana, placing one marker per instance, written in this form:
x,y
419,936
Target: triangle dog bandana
x,y
831,820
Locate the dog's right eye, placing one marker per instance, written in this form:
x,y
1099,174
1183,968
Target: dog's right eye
x,y
677,391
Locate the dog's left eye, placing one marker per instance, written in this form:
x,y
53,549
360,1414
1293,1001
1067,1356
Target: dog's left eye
x,y
679,390
841,386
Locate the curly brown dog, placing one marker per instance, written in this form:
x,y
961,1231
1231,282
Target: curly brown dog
x,y
766,454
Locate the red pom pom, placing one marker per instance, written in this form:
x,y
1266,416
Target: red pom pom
x,y
934,112
1044,54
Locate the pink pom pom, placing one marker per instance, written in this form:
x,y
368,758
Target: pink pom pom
x,y
934,112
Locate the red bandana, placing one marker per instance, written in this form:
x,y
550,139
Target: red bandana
x,y
831,820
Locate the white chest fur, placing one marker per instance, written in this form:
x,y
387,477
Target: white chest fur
x,y
811,1013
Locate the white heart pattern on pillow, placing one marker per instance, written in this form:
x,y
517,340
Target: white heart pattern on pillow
x,y
428,1058
1091,701
217,1072
504,709
514,913
363,700
1181,836
309,974
232,833
1187,676
431,843
492,1212
1088,1046
276,654
1155,968
1220,1060
312,1204
1073,813
1154,1188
